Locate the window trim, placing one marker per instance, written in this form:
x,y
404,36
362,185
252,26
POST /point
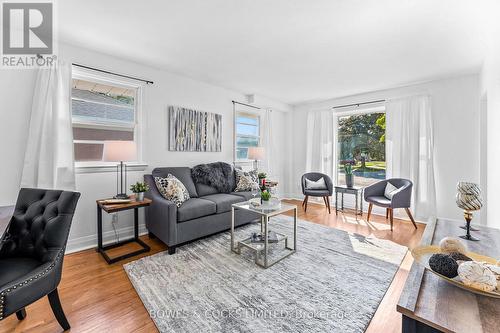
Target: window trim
x,y
337,114
107,79
236,135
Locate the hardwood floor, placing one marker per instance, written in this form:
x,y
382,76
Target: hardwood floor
x,y
98,297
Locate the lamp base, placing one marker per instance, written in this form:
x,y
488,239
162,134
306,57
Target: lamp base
x,y
471,228
469,237
121,196
468,219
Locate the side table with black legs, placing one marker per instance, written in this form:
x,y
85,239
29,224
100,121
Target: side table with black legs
x,y
114,208
358,194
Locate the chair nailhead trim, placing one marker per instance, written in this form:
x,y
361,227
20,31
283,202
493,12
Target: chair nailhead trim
x,y
4,293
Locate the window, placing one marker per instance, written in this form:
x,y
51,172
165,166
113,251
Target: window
x,y
361,143
101,110
247,133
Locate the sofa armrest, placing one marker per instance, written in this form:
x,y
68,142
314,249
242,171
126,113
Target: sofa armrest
x,y
161,215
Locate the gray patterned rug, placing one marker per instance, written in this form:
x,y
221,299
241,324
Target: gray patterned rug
x,y
334,283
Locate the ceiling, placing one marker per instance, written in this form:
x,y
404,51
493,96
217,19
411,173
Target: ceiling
x,y
290,50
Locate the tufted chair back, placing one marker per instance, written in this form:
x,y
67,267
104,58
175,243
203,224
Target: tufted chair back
x,y
40,225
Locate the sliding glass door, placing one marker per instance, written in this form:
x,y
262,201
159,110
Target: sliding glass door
x,y
361,144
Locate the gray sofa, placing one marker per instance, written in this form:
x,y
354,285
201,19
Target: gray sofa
x,y
206,213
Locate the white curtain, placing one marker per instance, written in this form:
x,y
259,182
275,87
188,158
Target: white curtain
x,y
410,150
320,142
266,141
49,159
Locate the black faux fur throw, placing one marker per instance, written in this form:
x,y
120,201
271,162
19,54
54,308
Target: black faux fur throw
x,y
216,174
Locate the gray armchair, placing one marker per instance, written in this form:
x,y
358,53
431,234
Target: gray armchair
x,y
374,195
324,193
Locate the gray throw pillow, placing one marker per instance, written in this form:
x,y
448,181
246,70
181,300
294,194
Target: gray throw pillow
x,y
172,189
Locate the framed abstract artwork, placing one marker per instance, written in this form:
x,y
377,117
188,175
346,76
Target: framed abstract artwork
x,y
193,130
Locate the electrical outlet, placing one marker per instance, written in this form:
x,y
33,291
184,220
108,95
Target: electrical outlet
x,y
114,219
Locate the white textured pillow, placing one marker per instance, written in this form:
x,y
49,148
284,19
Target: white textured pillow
x,y
389,190
316,185
172,189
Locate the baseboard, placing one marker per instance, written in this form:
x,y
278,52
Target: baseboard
x,y
376,210
90,241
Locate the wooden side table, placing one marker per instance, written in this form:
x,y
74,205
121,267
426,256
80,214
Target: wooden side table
x,y
114,208
358,193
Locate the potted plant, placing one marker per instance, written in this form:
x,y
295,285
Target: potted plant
x,y
349,178
262,178
138,189
265,196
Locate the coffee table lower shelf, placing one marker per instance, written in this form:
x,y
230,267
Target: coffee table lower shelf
x,y
259,248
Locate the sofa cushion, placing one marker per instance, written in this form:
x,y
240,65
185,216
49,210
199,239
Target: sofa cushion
x,y
247,195
194,208
181,173
203,189
223,201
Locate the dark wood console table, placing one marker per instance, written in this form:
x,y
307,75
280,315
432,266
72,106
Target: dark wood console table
x,y
114,208
429,304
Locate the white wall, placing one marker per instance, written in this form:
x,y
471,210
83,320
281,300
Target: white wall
x,y
490,127
168,89
455,107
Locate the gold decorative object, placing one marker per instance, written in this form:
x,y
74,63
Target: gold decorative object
x,y
422,254
469,199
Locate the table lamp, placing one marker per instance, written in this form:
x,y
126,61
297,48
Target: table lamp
x,y
469,199
120,151
256,154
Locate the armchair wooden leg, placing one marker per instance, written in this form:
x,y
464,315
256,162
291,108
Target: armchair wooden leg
x,y
305,203
21,314
55,304
386,213
411,217
391,216
370,206
327,203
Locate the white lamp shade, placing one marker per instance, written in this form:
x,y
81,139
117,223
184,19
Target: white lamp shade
x,y
118,151
256,153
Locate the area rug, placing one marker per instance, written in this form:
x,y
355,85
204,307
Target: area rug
x,y
333,283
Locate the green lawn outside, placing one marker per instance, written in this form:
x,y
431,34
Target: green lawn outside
x,y
376,165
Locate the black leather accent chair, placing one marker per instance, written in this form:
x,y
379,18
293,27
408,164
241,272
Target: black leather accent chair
x,y
324,193
32,251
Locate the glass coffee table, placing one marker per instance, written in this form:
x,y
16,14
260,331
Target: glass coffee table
x,y
261,249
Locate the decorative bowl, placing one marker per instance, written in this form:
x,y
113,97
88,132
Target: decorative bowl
x,y
421,254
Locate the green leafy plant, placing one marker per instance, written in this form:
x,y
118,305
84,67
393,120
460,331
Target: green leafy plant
x,y
265,195
262,175
348,168
139,187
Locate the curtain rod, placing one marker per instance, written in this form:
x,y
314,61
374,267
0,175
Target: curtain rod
x,y
108,72
255,107
358,104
